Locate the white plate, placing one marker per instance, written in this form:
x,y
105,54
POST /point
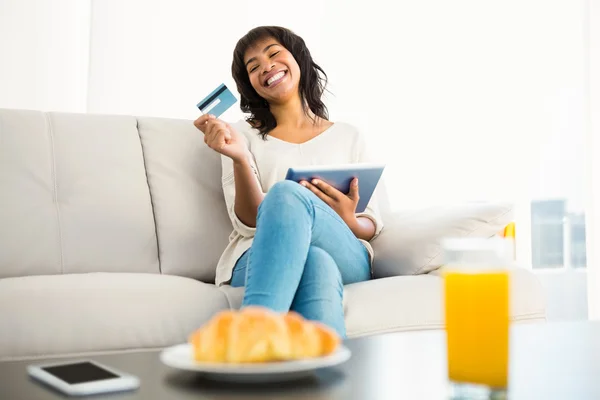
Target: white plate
x,y
181,357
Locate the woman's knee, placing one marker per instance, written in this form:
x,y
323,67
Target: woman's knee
x,y
285,193
321,267
285,188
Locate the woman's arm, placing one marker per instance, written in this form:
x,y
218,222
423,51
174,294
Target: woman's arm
x,y
239,176
248,193
363,228
369,221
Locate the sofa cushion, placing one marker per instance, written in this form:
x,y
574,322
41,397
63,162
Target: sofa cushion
x,y
416,303
106,221
29,233
410,242
184,176
58,314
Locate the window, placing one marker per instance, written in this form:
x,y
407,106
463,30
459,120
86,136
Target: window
x,y
558,236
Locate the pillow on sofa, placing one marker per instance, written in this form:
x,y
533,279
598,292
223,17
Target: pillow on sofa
x,y
410,243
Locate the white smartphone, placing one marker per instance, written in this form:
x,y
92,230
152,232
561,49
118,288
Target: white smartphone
x,y
85,377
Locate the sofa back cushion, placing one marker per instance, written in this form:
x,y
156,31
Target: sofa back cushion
x,y
29,235
411,240
73,195
184,177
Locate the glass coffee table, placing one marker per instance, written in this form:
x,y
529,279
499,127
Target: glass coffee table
x,y
548,361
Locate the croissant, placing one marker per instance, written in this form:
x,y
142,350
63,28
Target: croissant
x,y
256,334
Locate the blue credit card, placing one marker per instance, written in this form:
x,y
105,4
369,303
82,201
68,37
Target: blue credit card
x,y
217,102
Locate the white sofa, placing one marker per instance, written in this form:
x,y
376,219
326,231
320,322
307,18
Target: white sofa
x,y
111,227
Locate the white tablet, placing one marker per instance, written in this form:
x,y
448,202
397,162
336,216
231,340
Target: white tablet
x,y
80,378
340,177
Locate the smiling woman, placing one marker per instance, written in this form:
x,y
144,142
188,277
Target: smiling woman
x,y
293,246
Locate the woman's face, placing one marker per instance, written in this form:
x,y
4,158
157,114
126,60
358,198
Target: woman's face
x,y
273,71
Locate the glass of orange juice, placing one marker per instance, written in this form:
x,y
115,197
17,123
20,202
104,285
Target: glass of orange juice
x,y
476,305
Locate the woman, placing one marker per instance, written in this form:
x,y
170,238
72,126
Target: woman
x,y
294,246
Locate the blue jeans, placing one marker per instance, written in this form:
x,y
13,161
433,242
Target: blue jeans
x,y
302,255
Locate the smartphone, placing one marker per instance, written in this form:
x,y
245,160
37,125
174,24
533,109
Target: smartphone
x,y
85,377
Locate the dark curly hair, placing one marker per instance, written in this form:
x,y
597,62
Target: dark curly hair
x,y
312,78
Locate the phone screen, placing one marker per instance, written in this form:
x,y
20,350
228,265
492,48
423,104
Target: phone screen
x,y
80,372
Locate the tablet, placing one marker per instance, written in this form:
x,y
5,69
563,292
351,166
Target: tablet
x,y
340,177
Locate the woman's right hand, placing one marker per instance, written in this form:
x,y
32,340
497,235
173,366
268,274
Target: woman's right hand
x,y
221,137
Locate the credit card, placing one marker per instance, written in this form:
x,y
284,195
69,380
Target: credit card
x,y
217,102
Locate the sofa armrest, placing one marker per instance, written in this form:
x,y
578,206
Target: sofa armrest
x,y
410,243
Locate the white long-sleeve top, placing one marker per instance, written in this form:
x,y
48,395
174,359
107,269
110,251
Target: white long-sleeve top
x,y
340,144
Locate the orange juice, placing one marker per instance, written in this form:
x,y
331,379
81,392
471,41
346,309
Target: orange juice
x,y
477,326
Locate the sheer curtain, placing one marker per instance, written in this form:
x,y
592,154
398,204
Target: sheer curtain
x,y
593,158
44,48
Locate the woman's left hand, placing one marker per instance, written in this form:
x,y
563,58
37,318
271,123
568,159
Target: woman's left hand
x,y
344,205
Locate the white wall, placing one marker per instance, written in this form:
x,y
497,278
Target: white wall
x,y
44,47
465,99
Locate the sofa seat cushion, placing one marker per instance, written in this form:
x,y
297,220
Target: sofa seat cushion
x,y
62,314
407,303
